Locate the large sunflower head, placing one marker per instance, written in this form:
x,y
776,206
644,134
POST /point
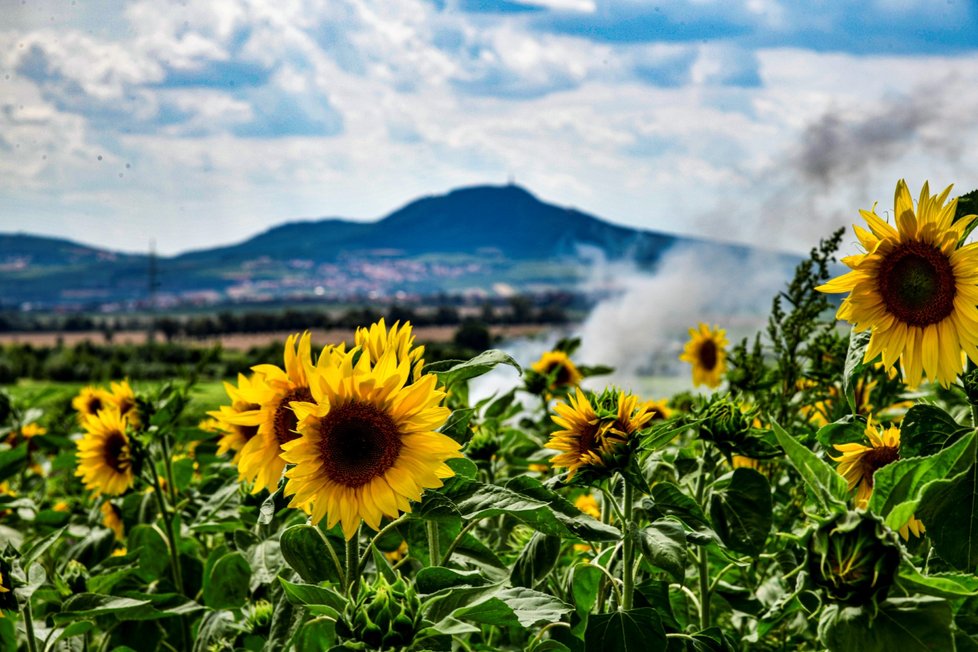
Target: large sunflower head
x,y
274,390
239,421
376,340
368,443
915,287
859,462
105,459
90,400
557,367
706,350
124,398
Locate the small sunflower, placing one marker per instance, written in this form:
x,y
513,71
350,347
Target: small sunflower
x,y
239,422
707,352
105,454
859,462
592,440
558,366
588,504
377,340
112,519
368,444
274,390
916,287
821,413
124,398
90,400
660,410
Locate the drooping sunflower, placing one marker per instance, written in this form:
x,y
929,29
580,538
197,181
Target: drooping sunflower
x,y
916,287
124,398
273,389
859,462
707,352
558,365
376,340
368,443
105,461
239,422
592,440
89,401
112,519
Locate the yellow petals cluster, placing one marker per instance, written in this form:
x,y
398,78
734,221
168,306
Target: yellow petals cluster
x,y
105,462
706,351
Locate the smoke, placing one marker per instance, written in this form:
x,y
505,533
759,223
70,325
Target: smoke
x,y
641,329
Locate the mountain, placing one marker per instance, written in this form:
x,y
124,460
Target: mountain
x,y
480,239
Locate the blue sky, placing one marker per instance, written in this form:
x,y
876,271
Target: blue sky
x,y
200,123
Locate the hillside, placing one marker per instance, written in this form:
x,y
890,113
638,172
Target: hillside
x,y
480,239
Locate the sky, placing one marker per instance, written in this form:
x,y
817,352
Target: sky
x,y
201,123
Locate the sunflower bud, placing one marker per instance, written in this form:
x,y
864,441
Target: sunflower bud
x,y
387,616
725,424
482,446
76,576
970,382
260,615
854,558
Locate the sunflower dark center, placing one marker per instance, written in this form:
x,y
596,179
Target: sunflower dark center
x,y
708,354
563,376
247,432
917,284
877,458
126,404
359,442
116,452
94,405
285,419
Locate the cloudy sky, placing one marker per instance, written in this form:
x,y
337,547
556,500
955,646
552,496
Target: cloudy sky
x,y
202,122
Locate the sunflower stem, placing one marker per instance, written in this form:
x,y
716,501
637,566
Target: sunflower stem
x,y
168,529
29,626
353,565
168,469
434,551
340,570
373,542
703,560
457,540
974,415
628,550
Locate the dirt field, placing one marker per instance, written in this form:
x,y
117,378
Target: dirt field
x,y
244,341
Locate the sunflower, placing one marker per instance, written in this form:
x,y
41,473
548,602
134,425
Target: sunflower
x,y
588,504
239,422
368,444
90,400
105,454
112,519
706,351
859,462
556,365
660,409
273,389
377,340
915,287
590,440
124,398
821,413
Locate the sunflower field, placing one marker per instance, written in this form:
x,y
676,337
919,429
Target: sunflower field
x,y
818,490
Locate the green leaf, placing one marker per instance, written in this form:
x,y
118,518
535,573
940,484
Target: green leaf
x,y
266,561
741,511
12,461
580,525
90,605
457,426
584,587
897,487
927,429
828,487
310,594
154,553
635,630
305,551
664,545
220,513
858,343
949,511
432,579
905,624
661,434
226,586
848,429
453,371
515,606
39,547
669,499
536,560
941,585
60,633
316,635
